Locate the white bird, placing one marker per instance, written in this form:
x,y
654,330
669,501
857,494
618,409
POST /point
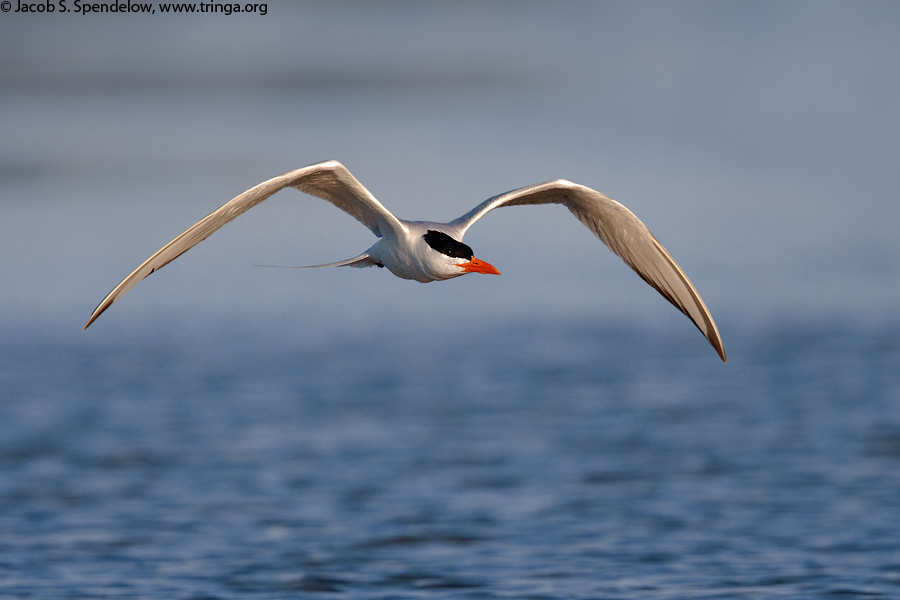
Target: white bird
x,y
428,251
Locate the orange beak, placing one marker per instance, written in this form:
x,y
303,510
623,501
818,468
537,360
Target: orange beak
x,y
479,266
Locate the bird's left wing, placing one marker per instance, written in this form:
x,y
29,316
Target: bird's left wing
x,y
622,232
329,180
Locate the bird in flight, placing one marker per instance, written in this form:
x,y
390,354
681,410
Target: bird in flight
x,y
428,251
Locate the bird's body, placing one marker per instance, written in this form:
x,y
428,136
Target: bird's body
x,y
410,256
427,251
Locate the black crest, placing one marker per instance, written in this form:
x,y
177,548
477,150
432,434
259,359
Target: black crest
x,y
445,244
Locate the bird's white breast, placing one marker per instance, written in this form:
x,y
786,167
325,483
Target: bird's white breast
x,y
410,257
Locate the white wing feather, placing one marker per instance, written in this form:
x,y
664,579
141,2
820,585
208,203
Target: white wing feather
x,y
328,180
622,232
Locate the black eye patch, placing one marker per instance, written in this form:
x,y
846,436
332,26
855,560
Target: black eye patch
x,y
445,244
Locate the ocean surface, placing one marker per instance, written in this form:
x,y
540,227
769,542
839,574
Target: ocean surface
x,y
524,459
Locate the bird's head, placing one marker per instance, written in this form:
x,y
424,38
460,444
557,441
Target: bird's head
x,y
458,253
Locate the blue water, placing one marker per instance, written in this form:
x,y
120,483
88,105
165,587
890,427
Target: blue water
x,y
538,459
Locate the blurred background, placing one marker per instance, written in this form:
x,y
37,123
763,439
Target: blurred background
x,y
757,140
758,143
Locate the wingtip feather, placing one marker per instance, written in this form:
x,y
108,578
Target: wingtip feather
x,y
93,318
721,352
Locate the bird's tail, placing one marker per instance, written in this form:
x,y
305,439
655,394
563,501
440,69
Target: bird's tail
x,y
363,260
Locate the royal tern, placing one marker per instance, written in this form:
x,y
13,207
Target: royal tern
x,y
428,251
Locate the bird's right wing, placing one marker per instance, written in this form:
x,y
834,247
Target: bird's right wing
x,y
622,232
329,180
